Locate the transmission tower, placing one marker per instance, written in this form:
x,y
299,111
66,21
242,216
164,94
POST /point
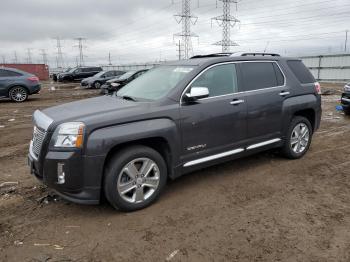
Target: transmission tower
x,y
3,59
186,19
29,56
109,59
44,55
81,47
59,58
226,21
15,59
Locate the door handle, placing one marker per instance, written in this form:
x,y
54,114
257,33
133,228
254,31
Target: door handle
x,y
237,102
284,93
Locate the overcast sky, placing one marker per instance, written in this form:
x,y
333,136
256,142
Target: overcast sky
x,y
142,30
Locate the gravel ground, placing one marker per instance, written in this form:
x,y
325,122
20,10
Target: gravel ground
x,y
260,208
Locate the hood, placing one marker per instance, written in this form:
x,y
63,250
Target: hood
x,y
103,110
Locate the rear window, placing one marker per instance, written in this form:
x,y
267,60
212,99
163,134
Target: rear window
x,y
259,75
301,72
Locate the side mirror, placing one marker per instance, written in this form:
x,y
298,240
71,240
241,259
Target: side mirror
x,y
197,93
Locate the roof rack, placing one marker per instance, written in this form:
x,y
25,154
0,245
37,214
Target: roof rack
x,y
259,54
212,55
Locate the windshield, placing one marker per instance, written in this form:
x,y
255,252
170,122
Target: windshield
x,y
156,83
72,70
126,75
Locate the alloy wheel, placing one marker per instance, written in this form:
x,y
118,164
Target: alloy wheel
x,y
300,138
138,180
18,94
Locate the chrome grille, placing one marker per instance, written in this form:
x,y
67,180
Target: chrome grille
x,y
38,139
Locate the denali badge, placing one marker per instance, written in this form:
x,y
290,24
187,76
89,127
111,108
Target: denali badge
x,y
196,147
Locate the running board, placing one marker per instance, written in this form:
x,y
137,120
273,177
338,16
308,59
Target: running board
x,y
213,157
229,153
268,142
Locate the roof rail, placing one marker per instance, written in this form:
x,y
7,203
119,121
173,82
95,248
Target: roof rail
x,y
212,55
259,54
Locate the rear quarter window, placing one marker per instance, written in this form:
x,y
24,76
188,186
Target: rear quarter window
x,y
301,72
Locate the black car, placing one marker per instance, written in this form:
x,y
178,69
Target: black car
x,y
78,73
177,118
17,85
117,83
100,78
345,99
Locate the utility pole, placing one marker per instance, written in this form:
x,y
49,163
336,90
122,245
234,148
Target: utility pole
x,y
15,59
80,47
44,55
186,19
226,21
179,49
59,58
109,59
29,56
346,40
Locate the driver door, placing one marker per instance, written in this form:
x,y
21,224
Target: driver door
x,y
216,124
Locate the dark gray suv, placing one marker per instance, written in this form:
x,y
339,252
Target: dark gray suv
x,y
17,85
174,119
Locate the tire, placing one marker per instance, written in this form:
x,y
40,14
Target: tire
x,y
144,188
346,111
296,147
18,94
97,85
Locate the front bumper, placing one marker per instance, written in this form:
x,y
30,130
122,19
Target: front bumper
x,y
35,89
81,185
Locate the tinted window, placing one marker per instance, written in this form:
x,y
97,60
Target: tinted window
x,y
220,80
258,75
7,73
300,71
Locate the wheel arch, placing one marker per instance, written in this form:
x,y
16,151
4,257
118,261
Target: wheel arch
x,y
309,114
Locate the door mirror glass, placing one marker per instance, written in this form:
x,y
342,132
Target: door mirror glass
x,y
197,93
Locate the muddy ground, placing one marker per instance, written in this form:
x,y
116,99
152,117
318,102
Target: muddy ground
x,y
261,208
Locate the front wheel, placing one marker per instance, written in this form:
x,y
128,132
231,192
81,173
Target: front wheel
x,y
18,94
298,138
97,85
134,178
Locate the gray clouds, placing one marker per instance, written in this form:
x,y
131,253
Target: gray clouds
x,y
138,31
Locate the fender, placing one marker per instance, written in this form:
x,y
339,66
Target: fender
x,y
101,141
295,104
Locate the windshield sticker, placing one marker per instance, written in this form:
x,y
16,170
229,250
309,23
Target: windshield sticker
x,y
183,69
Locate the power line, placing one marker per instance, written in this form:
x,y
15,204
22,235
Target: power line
x,y
186,18
226,21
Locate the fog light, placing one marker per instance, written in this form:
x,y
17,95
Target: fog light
x,y
60,174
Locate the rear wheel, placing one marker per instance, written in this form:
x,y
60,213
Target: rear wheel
x,y
298,138
97,85
18,94
134,178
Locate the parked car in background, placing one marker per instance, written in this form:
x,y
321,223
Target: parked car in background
x,y
78,73
177,118
345,99
54,75
117,83
100,78
17,85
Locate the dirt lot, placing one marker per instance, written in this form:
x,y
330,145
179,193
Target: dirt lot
x,y
261,208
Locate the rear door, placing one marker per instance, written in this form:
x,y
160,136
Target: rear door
x,y
214,127
265,89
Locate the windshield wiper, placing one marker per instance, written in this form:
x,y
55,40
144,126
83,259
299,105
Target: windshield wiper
x,y
129,98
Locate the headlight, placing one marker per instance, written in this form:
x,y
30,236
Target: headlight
x,y
70,135
115,84
347,88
